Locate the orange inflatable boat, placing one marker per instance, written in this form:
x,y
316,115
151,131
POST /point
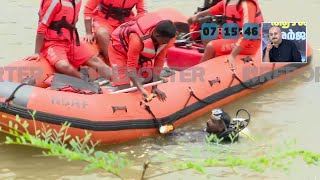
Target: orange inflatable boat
x,y
114,117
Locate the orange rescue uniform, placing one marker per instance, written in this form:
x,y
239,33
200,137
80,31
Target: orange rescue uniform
x,y
248,11
57,19
131,43
111,13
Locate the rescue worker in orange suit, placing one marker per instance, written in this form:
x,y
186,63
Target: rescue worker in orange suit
x,y
134,44
235,11
197,27
105,16
57,39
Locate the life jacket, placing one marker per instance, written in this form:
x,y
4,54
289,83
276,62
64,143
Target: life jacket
x,y
144,27
119,10
233,13
63,25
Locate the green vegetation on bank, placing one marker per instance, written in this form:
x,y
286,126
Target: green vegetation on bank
x,y
60,144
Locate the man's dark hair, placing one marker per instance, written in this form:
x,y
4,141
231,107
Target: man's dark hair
x,y
166,28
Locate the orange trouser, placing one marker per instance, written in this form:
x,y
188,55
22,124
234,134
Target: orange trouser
x,y
55,51
101,22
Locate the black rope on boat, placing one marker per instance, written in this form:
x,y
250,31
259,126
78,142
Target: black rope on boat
x,y
234,76
11,97
191,94
148,109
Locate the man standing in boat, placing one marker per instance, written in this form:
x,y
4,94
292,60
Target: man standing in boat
x,y
57,39
138,48
235,11
196,27
106,15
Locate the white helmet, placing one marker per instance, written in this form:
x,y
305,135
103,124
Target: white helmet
x,y
217,113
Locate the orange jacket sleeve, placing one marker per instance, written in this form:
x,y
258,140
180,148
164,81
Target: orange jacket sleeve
x,y
159,60
249,13
48,10
217,9
134,50
89,8
141,8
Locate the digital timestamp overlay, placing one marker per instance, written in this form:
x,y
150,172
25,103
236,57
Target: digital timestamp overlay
x,y
296,32
211,31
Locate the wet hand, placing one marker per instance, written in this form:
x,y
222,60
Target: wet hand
x,y
89,38
35,57
161,95
146,96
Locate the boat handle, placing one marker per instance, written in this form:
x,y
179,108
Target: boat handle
x,y
115,108
211,82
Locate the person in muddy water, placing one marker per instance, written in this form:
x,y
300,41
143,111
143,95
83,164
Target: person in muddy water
x,y
219,128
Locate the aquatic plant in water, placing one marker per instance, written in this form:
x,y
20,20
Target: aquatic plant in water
x,y
59,143
275,160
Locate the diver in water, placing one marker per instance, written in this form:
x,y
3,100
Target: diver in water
x,y
219,128
225,129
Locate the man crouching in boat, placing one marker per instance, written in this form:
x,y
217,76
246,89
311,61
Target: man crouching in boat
x,y
234,11
57,39
138,48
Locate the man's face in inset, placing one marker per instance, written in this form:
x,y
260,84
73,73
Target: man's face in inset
x,y
275,35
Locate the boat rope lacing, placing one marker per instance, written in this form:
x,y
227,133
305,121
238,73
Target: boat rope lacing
x,y
234,76
191,94
163,128
148,109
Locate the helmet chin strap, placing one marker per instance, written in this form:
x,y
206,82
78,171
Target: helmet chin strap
x,y
217,117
